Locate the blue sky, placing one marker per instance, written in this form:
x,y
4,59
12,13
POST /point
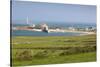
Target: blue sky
x,y
53,12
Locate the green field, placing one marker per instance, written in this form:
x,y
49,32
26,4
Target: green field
x,y
27,50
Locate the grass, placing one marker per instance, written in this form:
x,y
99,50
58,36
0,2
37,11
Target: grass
x,y
82,57
47,49
49,41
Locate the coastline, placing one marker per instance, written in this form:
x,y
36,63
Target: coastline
x,y
54,30
83,32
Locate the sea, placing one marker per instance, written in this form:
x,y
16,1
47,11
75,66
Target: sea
x,y
34,33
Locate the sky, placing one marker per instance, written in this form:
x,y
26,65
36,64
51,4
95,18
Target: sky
x,y
52,12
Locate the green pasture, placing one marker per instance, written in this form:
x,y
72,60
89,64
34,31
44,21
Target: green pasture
x,y
28,50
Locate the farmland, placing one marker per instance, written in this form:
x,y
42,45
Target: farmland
x,y
28,50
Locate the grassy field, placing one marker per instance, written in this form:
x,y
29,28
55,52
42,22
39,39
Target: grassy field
x,y
27,50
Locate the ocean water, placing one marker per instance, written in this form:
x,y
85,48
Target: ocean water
x,y
32,33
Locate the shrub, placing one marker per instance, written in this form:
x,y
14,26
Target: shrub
x,y
65,52
76,50
41,54
24,55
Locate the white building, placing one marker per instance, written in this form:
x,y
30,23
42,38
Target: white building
x,y
71,28
44,27
33,25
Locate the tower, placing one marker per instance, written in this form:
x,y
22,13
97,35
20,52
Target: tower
x,y
27,21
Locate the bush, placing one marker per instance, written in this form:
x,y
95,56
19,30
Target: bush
x,y
41,54
76,50
65,52
24,55
90,48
